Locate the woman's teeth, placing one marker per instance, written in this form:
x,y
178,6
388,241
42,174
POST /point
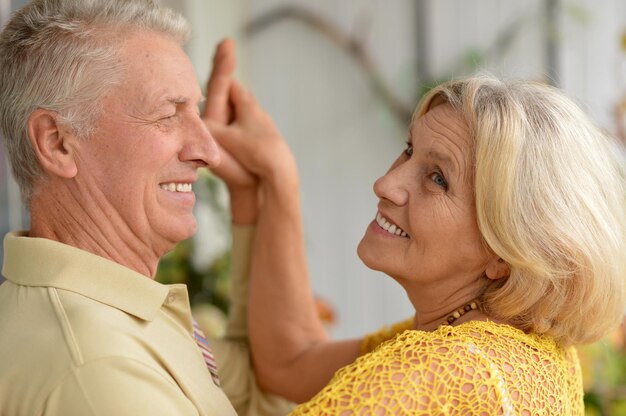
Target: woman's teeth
x,y
389,227
176,187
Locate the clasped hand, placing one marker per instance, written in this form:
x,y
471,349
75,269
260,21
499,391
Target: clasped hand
x,y
254,154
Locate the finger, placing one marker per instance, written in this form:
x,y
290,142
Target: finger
x,y
244,102
225,136
218,130
218,88
233,173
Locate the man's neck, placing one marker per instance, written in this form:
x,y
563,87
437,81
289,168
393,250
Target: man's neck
x,y
84,225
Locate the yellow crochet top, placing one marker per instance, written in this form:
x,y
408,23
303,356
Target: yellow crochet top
x,y
475,368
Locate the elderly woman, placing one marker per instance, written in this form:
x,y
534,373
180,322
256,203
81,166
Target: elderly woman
x,y
504,221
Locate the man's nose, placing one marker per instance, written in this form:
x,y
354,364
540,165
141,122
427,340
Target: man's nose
x,y
200,146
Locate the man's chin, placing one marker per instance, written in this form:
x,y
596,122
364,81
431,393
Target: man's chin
x,y
187,232
179,234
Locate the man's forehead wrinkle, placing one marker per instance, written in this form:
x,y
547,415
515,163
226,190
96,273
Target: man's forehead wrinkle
x,y
150,103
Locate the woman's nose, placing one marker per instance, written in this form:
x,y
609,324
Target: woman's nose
x,y
391,187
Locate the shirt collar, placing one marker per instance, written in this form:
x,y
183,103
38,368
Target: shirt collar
x,y
32,261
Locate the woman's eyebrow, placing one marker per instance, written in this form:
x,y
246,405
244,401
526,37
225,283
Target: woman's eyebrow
x,y
443,158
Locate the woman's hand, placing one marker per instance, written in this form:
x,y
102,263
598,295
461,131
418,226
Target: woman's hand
x,y
243,186
254,141
217,106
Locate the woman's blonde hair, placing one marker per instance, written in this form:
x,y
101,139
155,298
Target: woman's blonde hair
x,y
551,201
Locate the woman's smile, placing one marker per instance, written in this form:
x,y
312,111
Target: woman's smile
x,y
388,227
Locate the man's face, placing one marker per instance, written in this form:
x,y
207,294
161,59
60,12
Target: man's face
x,y
139,165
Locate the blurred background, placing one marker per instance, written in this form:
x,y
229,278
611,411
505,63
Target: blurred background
x,y
340,78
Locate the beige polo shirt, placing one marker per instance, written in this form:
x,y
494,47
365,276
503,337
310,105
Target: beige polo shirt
x,y
82,335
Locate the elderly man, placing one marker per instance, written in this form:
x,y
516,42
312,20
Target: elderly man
x,y
99,112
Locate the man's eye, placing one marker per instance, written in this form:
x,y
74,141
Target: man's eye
x,y
439,180
409,149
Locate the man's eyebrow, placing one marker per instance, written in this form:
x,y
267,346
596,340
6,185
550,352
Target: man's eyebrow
x,y
179,100
176,101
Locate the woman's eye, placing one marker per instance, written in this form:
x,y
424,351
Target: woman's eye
x,y
439,180
409,149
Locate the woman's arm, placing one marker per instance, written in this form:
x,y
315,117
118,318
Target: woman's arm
x,y
291,351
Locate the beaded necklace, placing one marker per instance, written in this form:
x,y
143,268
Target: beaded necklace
x,y
473,305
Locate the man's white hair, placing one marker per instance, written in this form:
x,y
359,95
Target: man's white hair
x,y
62,55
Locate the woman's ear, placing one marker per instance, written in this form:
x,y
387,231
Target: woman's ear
x,y
53,144
497,268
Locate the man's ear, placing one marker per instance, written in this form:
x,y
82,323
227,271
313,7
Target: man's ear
x,y
53,144
497,268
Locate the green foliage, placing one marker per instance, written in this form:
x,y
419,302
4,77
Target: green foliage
x,y
604,375
211,286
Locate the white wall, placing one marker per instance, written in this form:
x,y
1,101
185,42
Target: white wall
x,y
343,139
211,20
594,67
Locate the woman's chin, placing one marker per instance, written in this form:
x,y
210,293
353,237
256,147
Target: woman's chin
x,y
361,252
368,256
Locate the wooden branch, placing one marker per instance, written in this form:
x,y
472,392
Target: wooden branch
x,y
356,50
352,46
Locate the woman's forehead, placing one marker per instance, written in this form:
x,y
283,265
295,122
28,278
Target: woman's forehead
x,y
444,122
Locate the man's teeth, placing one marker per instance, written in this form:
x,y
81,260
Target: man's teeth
x,y
389,227
176,187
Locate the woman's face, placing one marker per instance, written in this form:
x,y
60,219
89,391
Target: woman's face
x,y
425,231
